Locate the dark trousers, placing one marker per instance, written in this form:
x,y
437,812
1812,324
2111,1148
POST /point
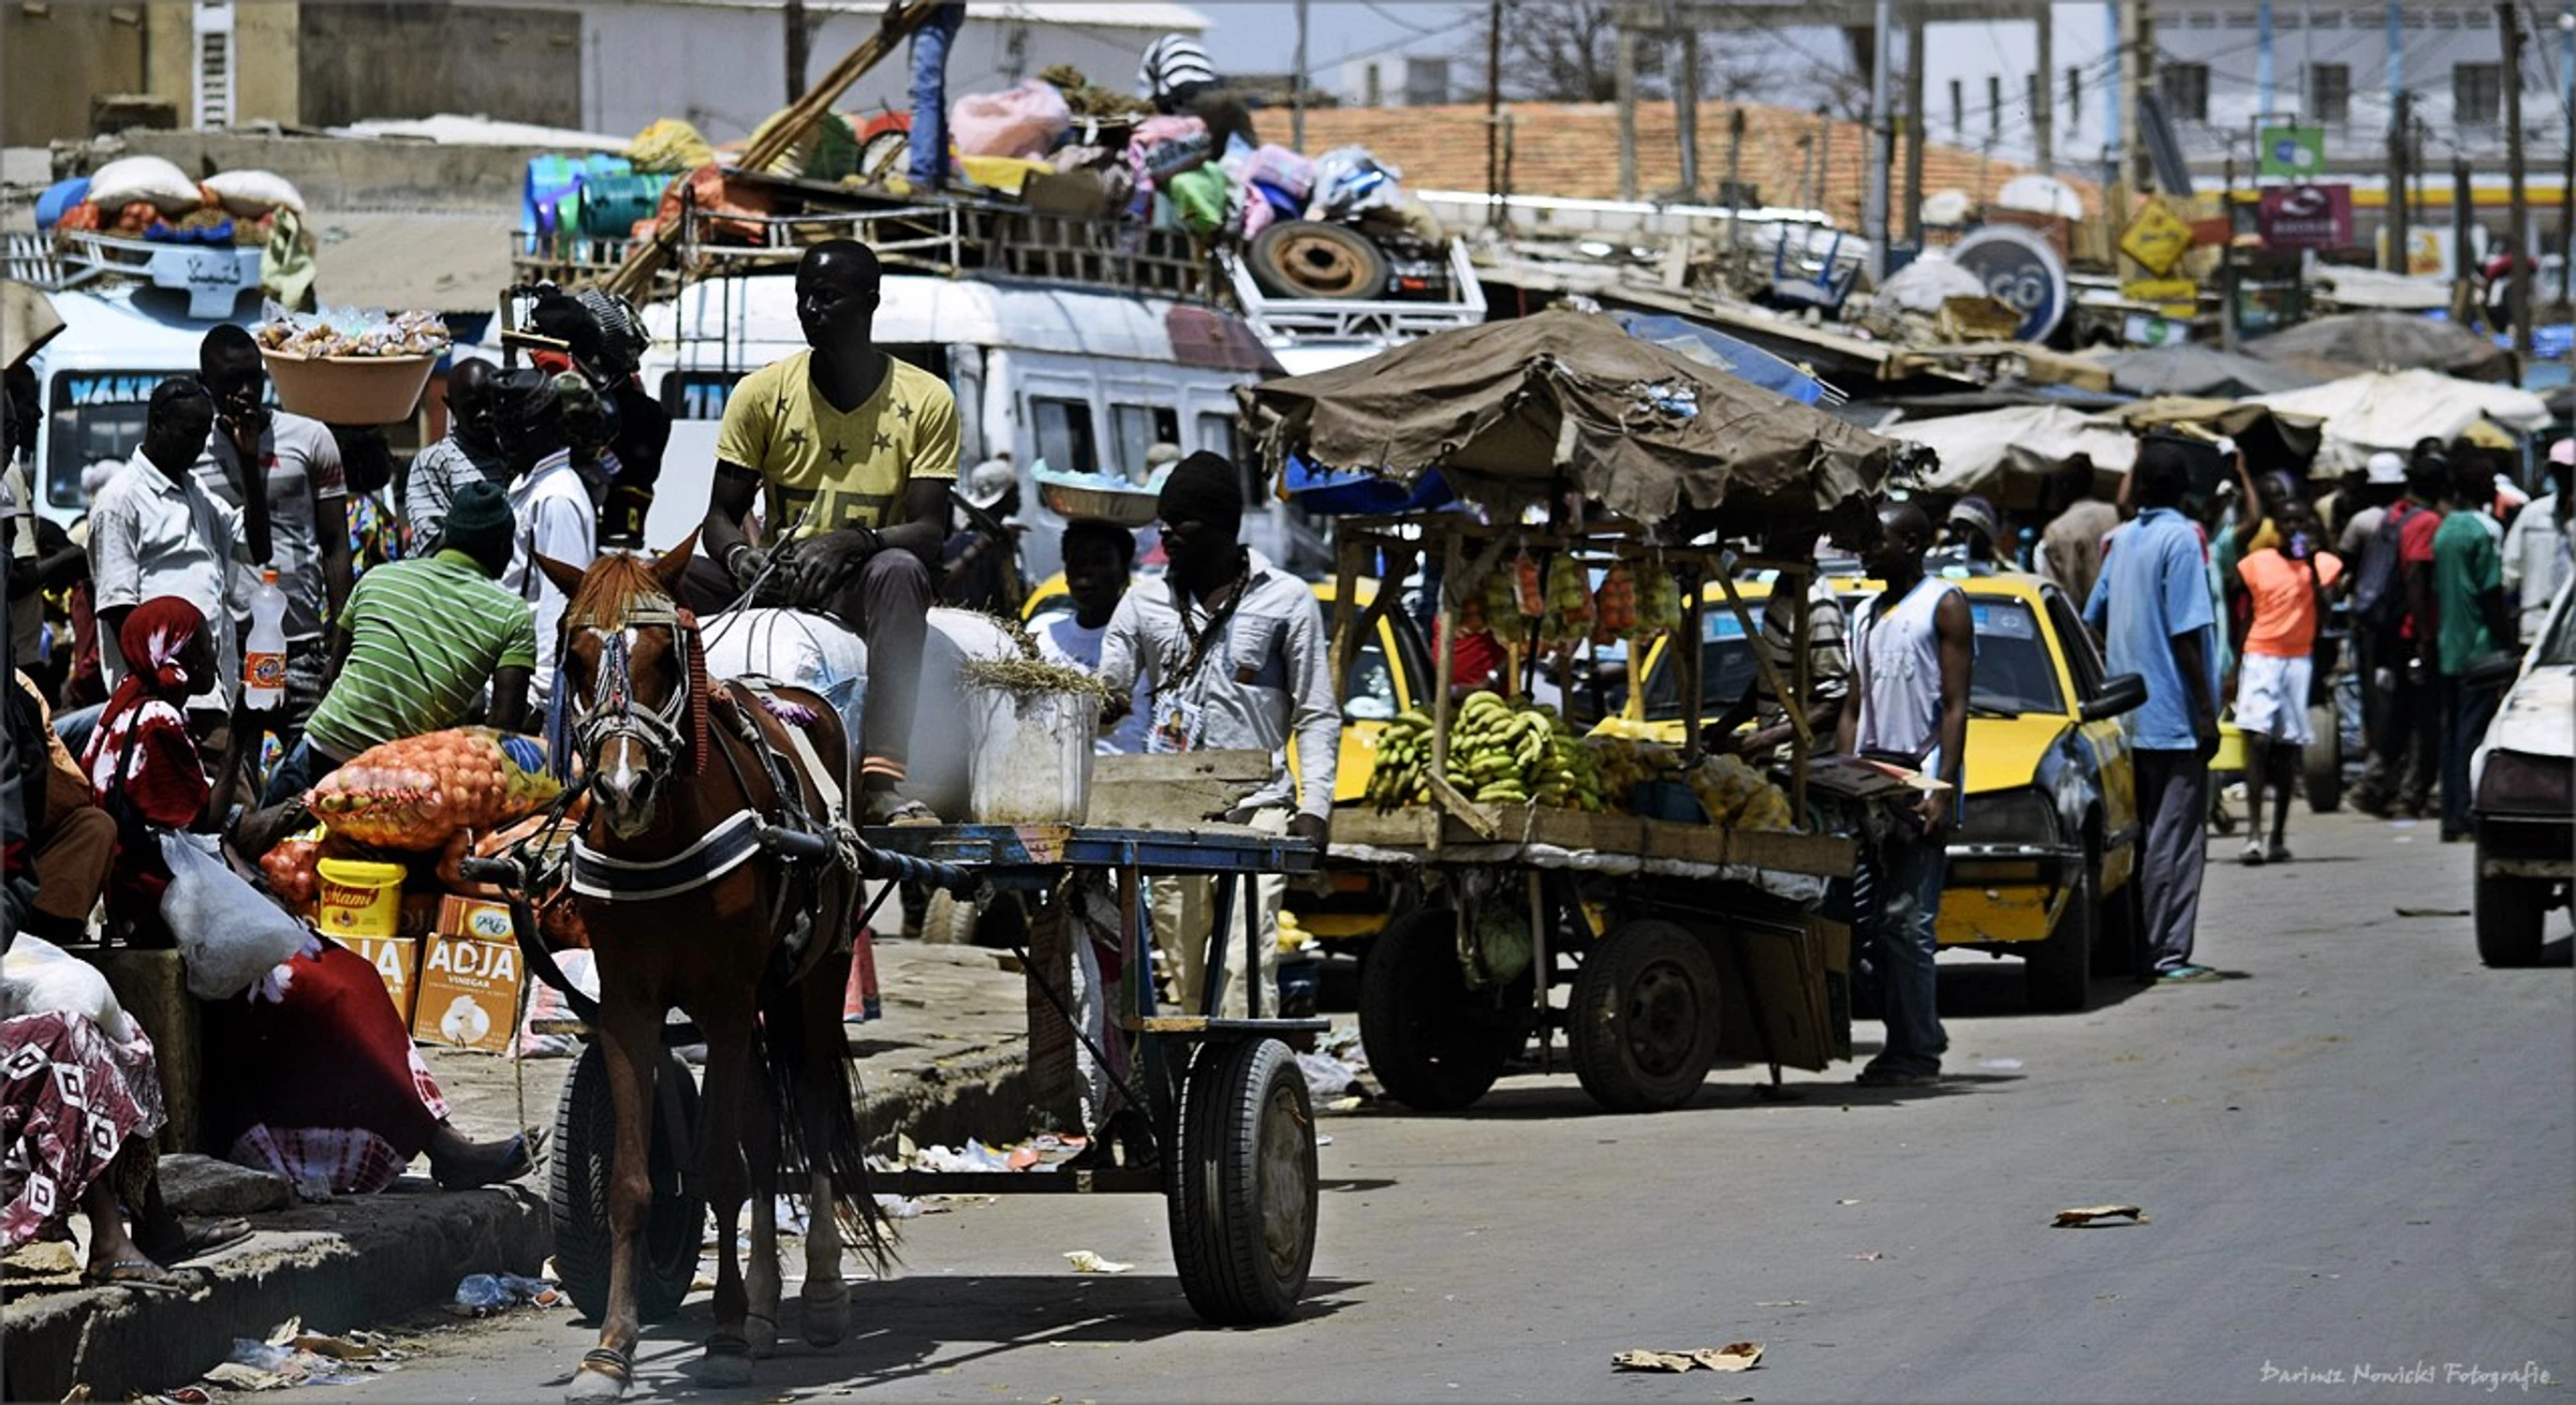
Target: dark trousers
x,y
2173,805
2464,712
886,602
2408,742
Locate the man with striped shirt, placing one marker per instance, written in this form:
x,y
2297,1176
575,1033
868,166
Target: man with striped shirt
x,y
1182,81
420,639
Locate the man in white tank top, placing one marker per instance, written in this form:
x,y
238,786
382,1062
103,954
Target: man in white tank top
x,y
1911,649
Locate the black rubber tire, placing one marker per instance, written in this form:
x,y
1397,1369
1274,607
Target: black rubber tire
x,y
585,1142
1643,1023
1312,259
2322,760
2509,920
1242,1193
1432,1043
2057,975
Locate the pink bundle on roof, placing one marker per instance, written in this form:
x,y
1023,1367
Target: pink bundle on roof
x,y
1025,121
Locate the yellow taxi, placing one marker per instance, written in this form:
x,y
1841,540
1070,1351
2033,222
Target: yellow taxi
x,y
2041,866
1389,672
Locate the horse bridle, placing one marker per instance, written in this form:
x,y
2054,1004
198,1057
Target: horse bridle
x,y
664,733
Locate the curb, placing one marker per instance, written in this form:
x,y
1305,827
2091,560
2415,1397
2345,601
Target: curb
x,y
365,1260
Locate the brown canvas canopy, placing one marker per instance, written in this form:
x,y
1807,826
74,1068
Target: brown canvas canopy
x,y
1512,411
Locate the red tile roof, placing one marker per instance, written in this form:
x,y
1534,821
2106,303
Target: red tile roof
x,y
1571,150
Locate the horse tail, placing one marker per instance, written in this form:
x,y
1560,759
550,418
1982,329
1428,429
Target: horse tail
x,y
786,1053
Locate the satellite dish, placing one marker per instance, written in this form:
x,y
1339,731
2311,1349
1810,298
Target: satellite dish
x,y
2020,271
2041,195
1948,209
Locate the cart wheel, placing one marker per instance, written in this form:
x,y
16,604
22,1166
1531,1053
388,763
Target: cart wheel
x,y
948,921
1435,1045
2323,759
585,1148
1242,1192
1644,1017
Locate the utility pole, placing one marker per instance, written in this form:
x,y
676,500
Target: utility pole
x,y
2567,171
798,40
2132,86
1915,126
2401,123
2462,216
1494,112
1734,185
2227,331
1882,156
2043,103
2525,265
1686,106
1297,86
1623,76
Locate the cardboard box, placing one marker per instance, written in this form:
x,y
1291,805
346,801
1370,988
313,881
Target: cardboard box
x,y
469,992
397,963
476,918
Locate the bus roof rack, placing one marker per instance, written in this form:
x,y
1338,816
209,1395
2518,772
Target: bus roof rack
x,y
213,276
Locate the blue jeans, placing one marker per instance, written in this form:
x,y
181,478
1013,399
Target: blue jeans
x,y
1909,916
930,95
74,727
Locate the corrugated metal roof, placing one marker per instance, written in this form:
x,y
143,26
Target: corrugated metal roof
x,y
445,262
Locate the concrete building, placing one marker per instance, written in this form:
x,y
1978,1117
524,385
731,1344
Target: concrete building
x,y
1395,80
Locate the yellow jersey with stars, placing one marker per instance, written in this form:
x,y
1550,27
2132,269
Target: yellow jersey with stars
x,y
825,470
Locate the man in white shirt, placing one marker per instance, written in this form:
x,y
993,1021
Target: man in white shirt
x,y
297,522
552,504
1235,651
2536,554
153,531
1099,558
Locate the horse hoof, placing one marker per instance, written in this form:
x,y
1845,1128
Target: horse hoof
x,y
726,1362
591,1387
762,1334
827,1320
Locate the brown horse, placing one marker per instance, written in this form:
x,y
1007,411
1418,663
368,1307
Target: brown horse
x,y
757,954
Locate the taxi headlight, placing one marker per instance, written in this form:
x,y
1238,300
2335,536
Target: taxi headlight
x,y
2009,817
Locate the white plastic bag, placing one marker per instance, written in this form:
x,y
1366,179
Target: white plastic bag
x,y
40,978
254,193
1025,121
153,179
229,936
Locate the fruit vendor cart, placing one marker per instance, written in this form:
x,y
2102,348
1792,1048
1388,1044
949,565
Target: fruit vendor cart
x,y
1213,1113
1683,905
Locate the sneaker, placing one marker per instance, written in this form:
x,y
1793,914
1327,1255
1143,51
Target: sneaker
x,y
2186,975
1876,1077
2253,855
2279,853
882,805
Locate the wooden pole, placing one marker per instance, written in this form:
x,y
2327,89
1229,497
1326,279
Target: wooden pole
x,y
1297,93
1494,112
2043,96
1915,126
800,43
2400,124
2525,264
1802,747
1623,77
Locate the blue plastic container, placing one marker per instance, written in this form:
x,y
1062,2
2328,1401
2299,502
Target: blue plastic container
x,y
58,200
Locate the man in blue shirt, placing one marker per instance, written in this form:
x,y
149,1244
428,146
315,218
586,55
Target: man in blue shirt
x,y
2152,603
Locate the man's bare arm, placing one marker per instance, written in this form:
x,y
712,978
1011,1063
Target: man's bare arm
x,y
921,525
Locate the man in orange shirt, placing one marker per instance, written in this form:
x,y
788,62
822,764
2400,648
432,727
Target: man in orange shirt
x,y
2284,588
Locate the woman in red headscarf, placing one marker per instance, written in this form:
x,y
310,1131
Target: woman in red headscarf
x,y
310,1073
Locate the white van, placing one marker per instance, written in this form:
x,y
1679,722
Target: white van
x,y
1080,379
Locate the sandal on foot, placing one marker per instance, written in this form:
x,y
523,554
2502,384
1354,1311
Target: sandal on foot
x,y
211,1237
140,1274
520,1156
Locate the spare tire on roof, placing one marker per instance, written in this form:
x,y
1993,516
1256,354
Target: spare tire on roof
x,y
1312,259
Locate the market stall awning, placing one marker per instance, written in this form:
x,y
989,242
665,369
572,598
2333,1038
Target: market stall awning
x,y
1513,411
2388,341
2271,436
2000,453
2391,410
2201,370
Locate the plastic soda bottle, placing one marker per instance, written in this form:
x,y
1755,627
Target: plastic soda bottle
x,y
264,654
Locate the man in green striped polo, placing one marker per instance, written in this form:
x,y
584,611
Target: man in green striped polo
x,y
419,640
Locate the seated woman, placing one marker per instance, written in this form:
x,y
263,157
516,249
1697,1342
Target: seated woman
x,y
310,1073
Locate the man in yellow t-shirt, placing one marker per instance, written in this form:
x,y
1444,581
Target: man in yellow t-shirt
x,y
851,454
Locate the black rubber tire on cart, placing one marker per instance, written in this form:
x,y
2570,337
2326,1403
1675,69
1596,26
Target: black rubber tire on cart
x,y
2322,760
948,920
2510,913
1242,1191
585,1147
2057,974
1312,259
1432,1043
1643,1023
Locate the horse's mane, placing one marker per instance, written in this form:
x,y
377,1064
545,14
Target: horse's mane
x,y
612,587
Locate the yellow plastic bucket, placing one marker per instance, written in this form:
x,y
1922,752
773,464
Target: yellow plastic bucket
x,y
360,899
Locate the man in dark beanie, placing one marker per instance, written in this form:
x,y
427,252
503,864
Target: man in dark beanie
x,y
549,501
420,640
1234,651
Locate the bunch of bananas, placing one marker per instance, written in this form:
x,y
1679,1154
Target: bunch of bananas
x,y
1624,763
1498,755
1495,752
1737,796
1402,775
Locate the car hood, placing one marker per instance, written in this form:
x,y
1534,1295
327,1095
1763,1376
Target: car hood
x,y
2538,716
2004,752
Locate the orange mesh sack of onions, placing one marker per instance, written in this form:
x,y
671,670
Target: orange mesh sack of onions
x,y
419,792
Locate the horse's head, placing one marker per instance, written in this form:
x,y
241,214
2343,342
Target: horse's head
x,y
626,678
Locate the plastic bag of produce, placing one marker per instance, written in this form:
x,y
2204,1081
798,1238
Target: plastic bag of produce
x,y
418,792
1021,121
229,936
1201,196
292,869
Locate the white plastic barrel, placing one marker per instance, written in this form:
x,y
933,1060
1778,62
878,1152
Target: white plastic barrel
x,y
1031,758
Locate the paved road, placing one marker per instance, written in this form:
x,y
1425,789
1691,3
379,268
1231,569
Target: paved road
x,y
2355,1156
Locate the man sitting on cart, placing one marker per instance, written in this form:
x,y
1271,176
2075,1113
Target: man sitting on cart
x,y
1236,654
852,454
